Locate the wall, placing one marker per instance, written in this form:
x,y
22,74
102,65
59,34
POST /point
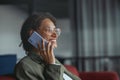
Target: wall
x,y
11,19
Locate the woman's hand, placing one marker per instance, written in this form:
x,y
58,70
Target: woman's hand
x,y
46,51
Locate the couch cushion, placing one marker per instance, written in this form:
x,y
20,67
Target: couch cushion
x,y
7,78
99,75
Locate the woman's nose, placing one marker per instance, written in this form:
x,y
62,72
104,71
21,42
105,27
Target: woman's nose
x,y
54,34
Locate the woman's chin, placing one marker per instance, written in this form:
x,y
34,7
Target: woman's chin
x,y
54,43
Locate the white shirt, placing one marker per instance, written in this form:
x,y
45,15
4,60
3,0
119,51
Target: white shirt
x,y
66,77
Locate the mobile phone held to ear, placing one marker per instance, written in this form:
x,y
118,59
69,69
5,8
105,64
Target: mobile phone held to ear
x,y
36,38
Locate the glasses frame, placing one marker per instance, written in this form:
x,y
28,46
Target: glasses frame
x,y
51,30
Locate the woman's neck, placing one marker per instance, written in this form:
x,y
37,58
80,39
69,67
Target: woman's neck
x,y
36,51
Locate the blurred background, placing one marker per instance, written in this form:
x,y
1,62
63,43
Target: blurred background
x,y
90,37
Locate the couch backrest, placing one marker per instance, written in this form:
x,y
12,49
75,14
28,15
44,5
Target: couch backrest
x,y
72,69
7,64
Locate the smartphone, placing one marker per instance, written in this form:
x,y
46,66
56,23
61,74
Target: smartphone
x,y
36,38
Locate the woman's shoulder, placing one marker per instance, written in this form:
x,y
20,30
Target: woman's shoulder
x,y
24,60
30,61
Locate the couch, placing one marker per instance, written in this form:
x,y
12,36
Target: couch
x,y
104,75
83,75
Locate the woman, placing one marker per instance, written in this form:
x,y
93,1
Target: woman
x,y
40,62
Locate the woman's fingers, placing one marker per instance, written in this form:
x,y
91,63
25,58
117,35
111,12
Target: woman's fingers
x,y
50,53
48,47
46,51
51,48
39,47
43,45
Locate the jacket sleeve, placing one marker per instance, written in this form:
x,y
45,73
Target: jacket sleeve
x,y
24,72
50,72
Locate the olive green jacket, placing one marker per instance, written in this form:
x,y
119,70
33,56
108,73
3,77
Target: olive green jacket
x,y
32,67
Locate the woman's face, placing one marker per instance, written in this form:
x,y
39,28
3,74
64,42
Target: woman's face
x,y
47,31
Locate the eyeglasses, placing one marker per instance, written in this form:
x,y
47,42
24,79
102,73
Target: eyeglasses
x,y
56,30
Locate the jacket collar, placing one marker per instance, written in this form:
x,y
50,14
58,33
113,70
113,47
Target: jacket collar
x,y
35,57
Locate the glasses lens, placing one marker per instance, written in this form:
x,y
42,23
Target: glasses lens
x,y
58,31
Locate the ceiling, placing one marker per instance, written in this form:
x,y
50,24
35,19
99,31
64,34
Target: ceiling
x,y
59,8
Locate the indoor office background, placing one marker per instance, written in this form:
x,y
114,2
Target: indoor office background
x,y
90,37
